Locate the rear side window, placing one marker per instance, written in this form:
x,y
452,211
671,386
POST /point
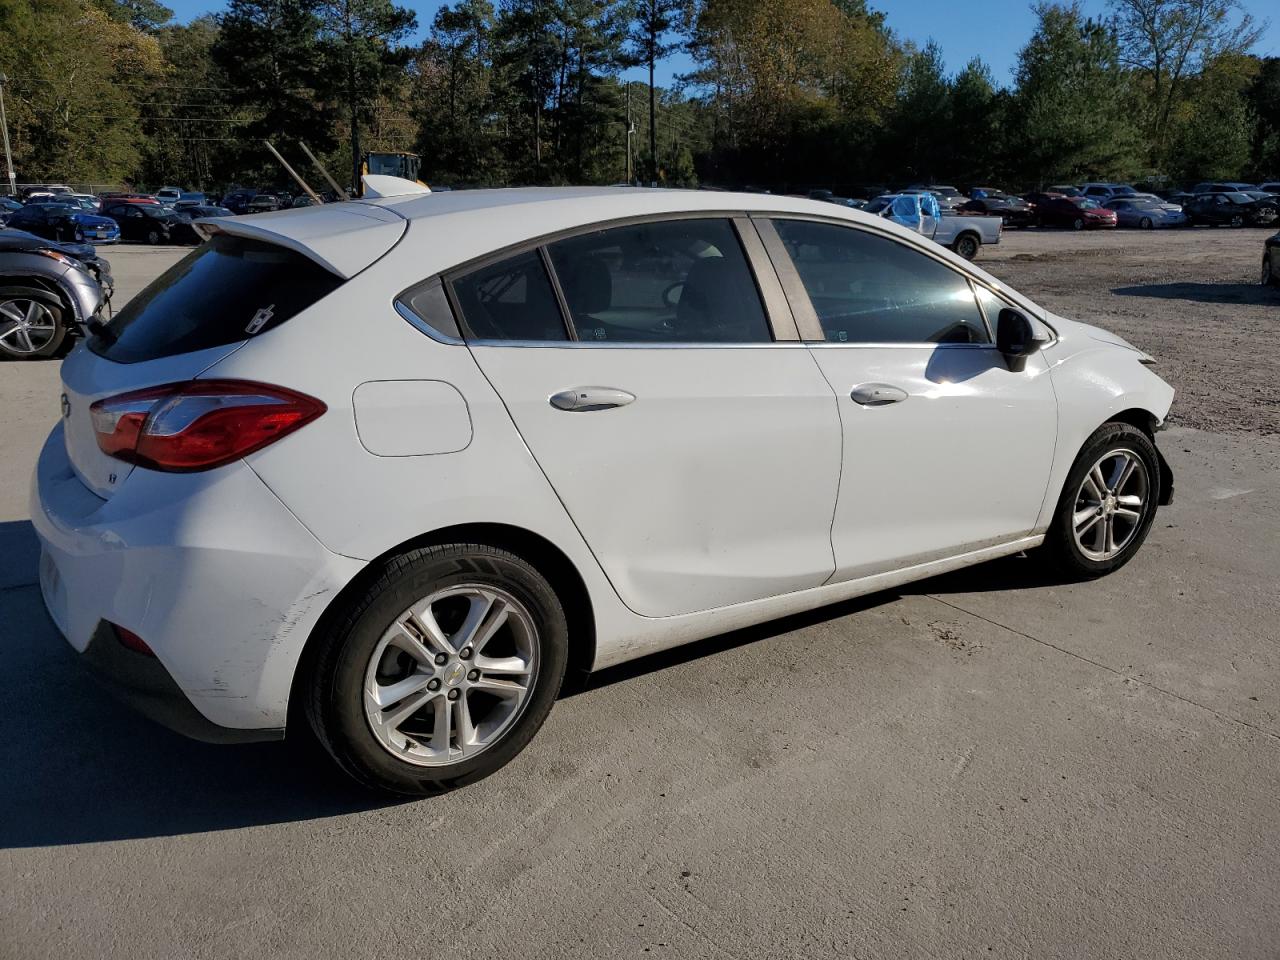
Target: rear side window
x,y
870,289
510,300
675,281
225,291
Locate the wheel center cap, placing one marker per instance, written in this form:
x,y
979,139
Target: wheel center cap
x,y
454,675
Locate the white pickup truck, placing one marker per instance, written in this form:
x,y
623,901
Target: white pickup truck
x,y
921,212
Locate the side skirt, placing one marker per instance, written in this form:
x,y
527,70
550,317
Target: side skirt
x,y
652,635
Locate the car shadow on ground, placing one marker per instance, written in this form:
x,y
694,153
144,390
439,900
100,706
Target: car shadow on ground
x,y
1247,293
1021,572
81,767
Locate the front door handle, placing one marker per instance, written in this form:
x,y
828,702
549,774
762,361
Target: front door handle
x,y
877,394
589,399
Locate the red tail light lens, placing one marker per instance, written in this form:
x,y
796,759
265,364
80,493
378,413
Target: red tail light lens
x,y
199,424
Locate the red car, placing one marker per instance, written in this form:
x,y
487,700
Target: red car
x,y
1078,213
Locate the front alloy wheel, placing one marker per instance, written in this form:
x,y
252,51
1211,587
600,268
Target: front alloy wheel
x,y
30,329
1110,504
1107,504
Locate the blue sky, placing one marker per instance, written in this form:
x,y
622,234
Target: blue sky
x,y
994,30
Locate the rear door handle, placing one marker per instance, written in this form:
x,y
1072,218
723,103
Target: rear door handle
x,y
590,399
877,394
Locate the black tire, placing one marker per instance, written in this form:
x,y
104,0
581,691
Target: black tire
x,y
1145,223
336,675
966,245
1060,545
154,237
56,313
1269,275
1237,221
1077,224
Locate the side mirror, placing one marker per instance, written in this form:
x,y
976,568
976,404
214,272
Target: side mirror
x,y
1015,338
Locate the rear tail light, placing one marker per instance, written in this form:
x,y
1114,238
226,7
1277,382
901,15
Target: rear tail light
x,y
199,424
131,641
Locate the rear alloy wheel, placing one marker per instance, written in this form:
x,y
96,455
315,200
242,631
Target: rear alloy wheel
x,y
1108,502
30,329
1146,223
441,672
966,246
1077,224
153,237
1237,221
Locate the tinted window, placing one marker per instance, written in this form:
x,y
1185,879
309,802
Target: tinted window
x,y
676,281
870,289
511,300
225,291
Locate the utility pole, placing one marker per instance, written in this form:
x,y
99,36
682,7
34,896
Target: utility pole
x,y
631,129
4,126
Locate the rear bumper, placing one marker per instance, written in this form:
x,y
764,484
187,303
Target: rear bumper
x,y
209,569
144,684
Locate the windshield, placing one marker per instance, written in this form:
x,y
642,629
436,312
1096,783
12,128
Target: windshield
x,y
878,204
1084,204
1239,197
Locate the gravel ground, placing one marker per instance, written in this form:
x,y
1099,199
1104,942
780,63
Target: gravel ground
x,y
1191,298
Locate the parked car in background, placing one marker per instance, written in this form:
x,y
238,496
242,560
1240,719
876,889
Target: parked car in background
x,y
1077,213
1207,186
264,203
8,206
237,201
48,292
1264,198
169,195
922,212
1012,211
1270,187
1065,190
825,196
151,223
1103,192
205,210
1233,209
1145,213
143,198
1271,260
52,221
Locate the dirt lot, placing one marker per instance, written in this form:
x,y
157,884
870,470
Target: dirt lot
x,y
1191,298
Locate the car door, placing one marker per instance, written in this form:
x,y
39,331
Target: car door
x,y
688,432
946,450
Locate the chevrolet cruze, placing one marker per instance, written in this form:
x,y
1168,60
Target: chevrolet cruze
x,y
394,467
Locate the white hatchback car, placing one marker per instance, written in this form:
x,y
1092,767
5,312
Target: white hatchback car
x,y
402,463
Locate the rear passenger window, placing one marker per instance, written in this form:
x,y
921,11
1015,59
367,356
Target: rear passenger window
x,y
870,289
674,281
510,300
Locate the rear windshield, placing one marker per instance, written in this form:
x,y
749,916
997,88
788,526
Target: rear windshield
x,y
224,291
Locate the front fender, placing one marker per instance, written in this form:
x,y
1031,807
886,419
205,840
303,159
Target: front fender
x,y
1095,382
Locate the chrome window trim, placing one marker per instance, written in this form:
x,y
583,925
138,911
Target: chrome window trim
x,y
422,326
776,325
640,345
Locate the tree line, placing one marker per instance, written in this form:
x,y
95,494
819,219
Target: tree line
x,y
781,94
